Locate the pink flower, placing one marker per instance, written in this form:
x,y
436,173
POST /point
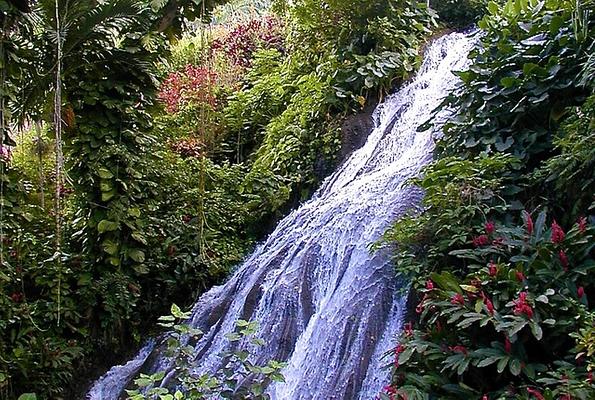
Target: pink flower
x,y
480,240
535,393
429,284
458,349
492,269
408,329
582,224
528,222
563,259
558,234
490,227
457,299
522,307
5,153
507,345
485,397
580,292
17,297
489,305
519,276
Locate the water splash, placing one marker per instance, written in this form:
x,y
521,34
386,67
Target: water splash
x,y
326,305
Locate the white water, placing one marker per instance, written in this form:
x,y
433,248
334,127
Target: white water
x,y
325,303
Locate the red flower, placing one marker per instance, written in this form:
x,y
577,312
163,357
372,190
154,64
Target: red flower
x,y
558,234
489,305
458,349
563,259
429,284
490,227
522,307
590,377
519,276
492,269
420,307
580,292
582,224
408,329
485,397
17,297
499,241
535,393
457,299
528,222
507,345
480,240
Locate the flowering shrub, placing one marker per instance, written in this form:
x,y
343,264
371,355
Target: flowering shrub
x,y
240,43
193,84
190,147
510,317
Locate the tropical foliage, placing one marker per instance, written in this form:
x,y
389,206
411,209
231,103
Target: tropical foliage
x,y
138,167
501,257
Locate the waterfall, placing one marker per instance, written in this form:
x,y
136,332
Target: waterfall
x,y
326,304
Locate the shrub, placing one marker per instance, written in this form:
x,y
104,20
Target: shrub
x,y
510,318
524,73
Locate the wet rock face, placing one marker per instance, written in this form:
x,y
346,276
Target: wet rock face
x,y
356,128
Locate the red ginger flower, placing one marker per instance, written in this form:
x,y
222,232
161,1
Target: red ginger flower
x,y
457,299
519,276
17,297
489,306
408,329
429,284
529,223
492,269
558,234
582,224
480,240
535,393
563,259
490,227
580,292
507,345
458,349
522,307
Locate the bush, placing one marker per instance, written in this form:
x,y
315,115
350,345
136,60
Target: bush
x,y
510,318
523,76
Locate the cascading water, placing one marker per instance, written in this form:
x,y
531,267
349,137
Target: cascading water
x,y
326,305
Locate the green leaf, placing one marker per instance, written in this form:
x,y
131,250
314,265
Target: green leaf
x,y
28,396
104,173
137,255
515,367
502,364
536,330
176,311
107,226
446,281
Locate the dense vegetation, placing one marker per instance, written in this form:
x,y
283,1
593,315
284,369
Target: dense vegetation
x,y
501,259
147,145
140,164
